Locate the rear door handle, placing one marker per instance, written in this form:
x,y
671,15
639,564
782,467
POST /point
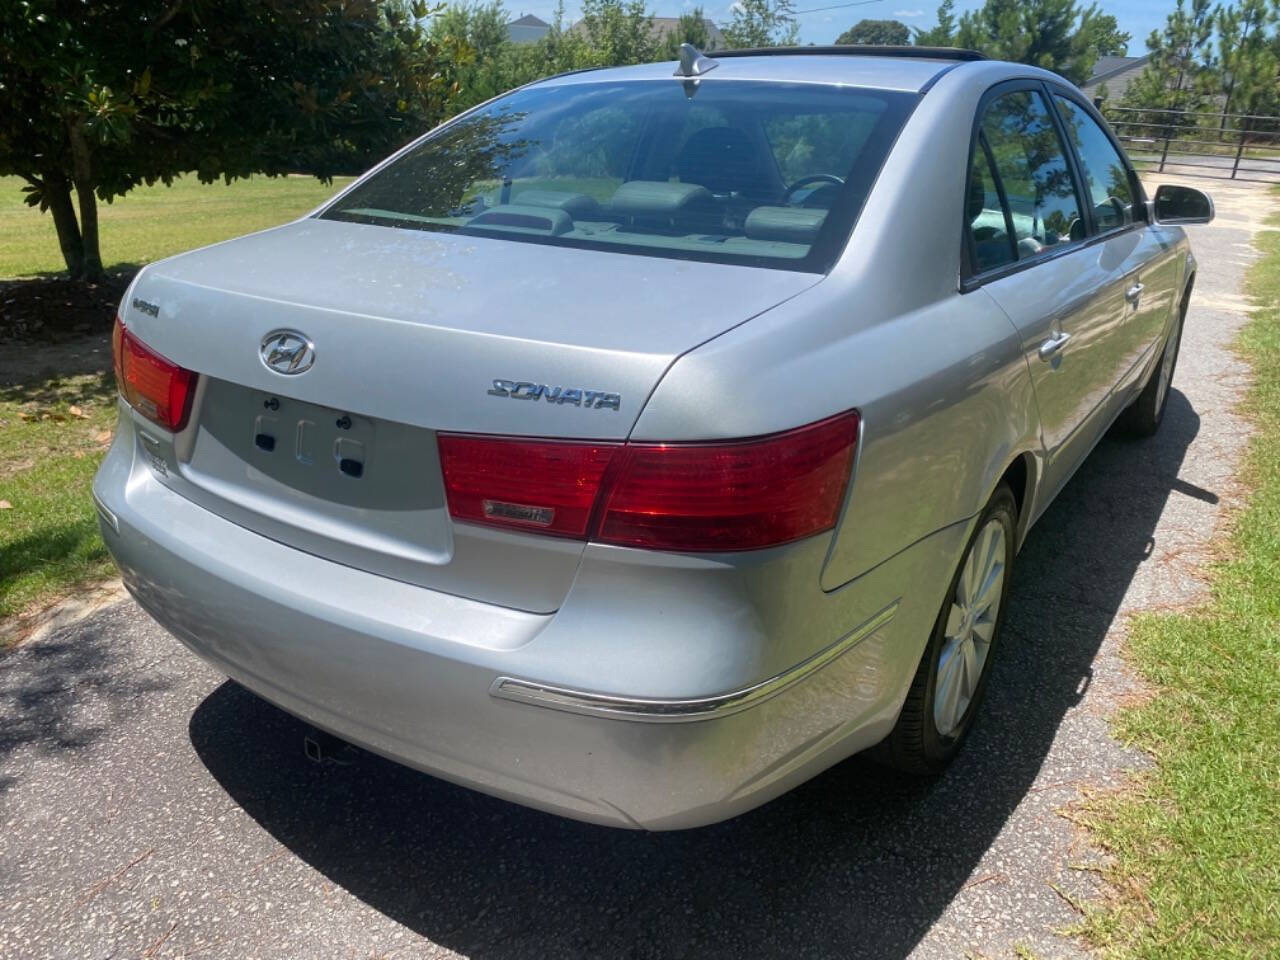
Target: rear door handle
x,y
1053,345
1133,293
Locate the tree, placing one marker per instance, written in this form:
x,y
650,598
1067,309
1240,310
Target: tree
x,y
690,28
1246,63
1057,35
96,98
482,26
480,29
618,32
1177,77
880,33
763,23
505,65
1100,35
561,49
942,34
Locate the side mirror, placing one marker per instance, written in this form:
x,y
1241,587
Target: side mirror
x,y
1177,204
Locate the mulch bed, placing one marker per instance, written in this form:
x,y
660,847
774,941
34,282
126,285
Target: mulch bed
x,y
54,309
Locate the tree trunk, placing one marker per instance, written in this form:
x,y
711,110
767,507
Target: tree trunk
x,y
57,193
83,179
1226,106
93,271
1231,83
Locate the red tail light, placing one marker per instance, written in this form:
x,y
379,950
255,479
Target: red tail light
x,y
155,387
541,486
736,495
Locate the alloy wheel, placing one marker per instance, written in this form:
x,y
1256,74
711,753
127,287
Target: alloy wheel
x,y
970,628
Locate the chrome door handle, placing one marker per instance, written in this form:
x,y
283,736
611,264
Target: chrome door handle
x,y
1133,293
1053,345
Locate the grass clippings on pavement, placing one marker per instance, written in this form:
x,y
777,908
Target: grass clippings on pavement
x,y
1195,842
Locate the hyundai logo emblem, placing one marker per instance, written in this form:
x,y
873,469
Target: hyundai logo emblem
x,y
288,352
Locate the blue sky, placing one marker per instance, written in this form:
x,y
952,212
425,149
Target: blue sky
x,y
1138,17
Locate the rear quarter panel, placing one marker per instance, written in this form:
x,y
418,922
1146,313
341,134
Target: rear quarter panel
x,y
938,376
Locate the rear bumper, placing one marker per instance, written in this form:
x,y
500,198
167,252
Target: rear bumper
x,y
417,675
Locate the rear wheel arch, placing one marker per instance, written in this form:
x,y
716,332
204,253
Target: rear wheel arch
x,y
1185,303
1020,476
918,743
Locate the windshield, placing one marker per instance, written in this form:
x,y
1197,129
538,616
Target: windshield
x,y
768,174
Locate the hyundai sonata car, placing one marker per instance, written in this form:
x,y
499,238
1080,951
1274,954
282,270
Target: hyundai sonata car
x,y
642,442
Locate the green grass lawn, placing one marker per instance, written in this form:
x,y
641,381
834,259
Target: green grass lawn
x,y
154,222
1196,843
57,404
53,431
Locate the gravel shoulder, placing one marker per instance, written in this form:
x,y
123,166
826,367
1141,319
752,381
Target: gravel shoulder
x,y
150,808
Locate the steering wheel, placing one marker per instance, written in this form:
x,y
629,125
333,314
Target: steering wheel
x,y
805,181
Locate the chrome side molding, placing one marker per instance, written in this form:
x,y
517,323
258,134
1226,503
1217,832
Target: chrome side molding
x,y
105,513
683,711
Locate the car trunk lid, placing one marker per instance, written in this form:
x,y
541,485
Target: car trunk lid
x,y
415,333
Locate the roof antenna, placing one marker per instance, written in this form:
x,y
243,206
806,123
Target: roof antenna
x,y
693,63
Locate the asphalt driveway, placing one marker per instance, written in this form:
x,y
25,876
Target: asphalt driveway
x,y
151,809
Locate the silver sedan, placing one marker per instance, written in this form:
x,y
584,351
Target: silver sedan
x,y
645,441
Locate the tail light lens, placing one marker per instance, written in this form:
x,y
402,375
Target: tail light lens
x,y
731,496
540,486
692,497
157,388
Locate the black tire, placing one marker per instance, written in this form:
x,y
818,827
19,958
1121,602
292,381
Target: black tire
x,y
915,745
1142,417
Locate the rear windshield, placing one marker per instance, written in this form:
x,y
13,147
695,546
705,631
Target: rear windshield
x,y
768,174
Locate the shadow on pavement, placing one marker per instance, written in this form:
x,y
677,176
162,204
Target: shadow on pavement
x,y
858,861
62,693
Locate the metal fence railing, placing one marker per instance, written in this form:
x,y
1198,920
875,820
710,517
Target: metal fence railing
x,y
1231,146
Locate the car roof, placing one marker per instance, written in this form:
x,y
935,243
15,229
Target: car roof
x,y
910,74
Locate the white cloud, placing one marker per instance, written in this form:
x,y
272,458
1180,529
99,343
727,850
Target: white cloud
x,y
908,14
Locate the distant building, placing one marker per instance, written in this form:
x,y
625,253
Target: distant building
x,y
1116,73
527,29
663,27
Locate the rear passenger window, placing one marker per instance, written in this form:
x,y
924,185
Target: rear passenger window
x,y
1032,169
991,245
1105,173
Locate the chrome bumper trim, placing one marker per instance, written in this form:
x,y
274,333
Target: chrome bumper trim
x,y
682,711
108,517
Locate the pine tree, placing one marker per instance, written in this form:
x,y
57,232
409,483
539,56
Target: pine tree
x,y
942,34
1246,63
1057,35
1179,75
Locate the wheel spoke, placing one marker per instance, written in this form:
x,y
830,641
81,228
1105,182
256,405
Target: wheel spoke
x,y
984,629
972,669
995,545
947,693
955,621
982,558
991,588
